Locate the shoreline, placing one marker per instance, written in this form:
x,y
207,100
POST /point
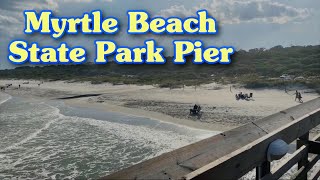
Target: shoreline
x,y
221,112
147,114
82,103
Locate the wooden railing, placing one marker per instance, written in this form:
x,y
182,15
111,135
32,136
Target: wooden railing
x,y
232,154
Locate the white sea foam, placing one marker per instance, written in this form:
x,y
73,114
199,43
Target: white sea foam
x,y
32,135
58,146
4,98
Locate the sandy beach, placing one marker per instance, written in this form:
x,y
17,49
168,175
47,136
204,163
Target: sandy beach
x,y
221,111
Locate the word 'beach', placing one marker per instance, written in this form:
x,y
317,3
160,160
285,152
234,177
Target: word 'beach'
x,y
139,23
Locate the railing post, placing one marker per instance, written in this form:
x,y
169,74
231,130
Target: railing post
x,y
262,170
304,160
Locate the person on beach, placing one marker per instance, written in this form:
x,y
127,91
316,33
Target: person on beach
x,y
194,110
300,97
297,95
241,95
195,107
237,97
19,86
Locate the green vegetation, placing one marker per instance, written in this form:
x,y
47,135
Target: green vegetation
x,y
256,68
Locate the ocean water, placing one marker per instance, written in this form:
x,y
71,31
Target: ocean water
x,y
49,140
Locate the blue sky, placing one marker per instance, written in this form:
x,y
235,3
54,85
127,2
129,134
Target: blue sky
x,y
244,24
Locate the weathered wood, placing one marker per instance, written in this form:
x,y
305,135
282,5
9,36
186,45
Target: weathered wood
x,y
178,163
284,117
240,161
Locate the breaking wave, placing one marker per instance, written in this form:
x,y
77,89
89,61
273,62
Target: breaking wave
x,y
39,141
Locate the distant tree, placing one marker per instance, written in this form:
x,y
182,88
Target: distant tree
x,y
276,47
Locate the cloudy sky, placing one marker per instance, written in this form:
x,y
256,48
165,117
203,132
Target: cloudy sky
x,y
244,24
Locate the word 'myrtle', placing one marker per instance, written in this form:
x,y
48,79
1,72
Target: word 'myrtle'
x,y
57,27
139,22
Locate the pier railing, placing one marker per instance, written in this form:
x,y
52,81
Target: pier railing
x,y
232,154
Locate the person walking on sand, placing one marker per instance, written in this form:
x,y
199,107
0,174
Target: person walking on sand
x,y
19,86
297,95
300,97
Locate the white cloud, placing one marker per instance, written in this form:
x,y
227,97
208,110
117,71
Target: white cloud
x,y
11,14
83,1
243,11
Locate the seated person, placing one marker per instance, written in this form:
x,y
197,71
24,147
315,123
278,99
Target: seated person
x,y
195,107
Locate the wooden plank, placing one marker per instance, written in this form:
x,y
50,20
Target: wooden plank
x,y
182,161
284,117
240,161
225,147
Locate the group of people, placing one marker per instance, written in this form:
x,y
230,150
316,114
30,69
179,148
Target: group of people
x,y
196,109
243,96
298,96
3,88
